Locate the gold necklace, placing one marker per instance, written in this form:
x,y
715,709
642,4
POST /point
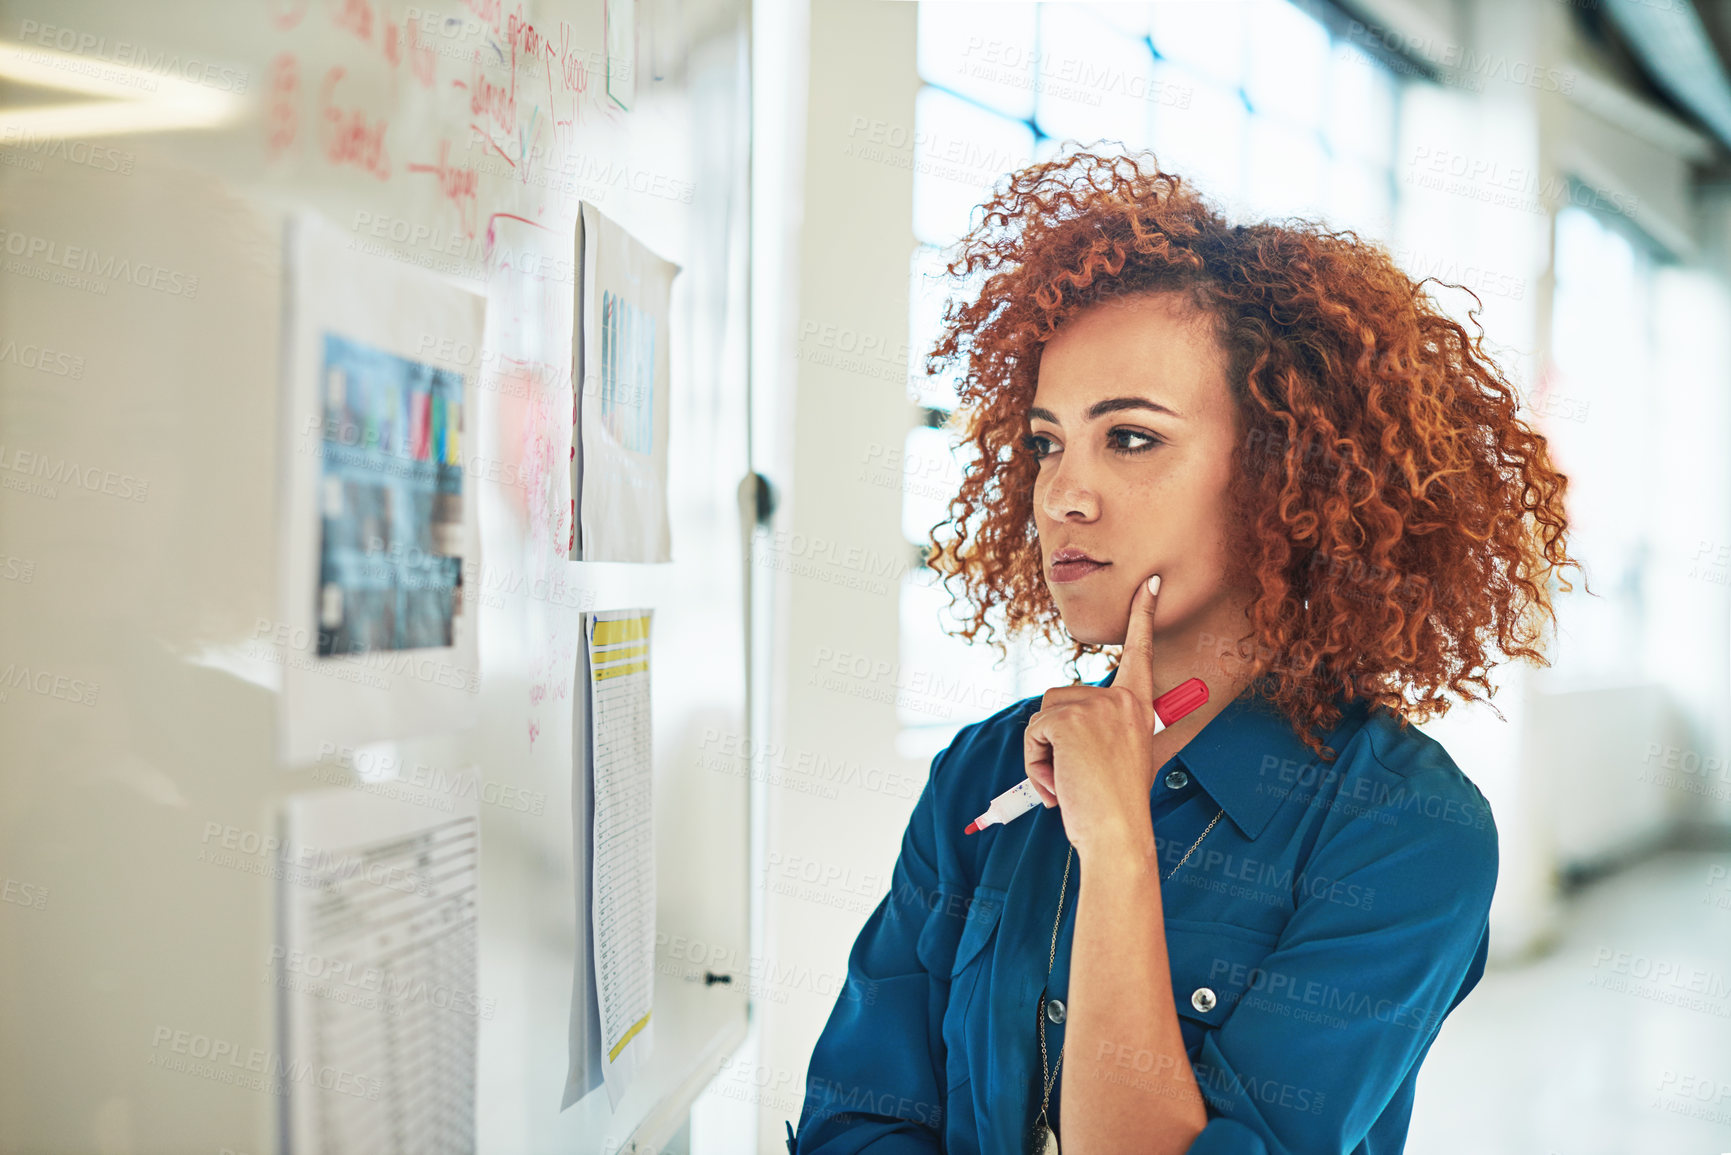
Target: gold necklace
x,y
1048,1142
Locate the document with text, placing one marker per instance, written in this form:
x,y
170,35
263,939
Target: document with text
x,y
618,910
376,968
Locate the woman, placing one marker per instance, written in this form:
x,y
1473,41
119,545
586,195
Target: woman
x,y
1259,456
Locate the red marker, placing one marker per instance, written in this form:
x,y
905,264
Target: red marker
x,y
1169,707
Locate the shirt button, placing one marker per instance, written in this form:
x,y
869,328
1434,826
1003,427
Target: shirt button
x,y
1202,999
1055,1010
1177,780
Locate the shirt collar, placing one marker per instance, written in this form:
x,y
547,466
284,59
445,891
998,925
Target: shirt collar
x,y
1248,756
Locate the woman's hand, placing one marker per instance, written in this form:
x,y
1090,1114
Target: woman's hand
x,y
1089,750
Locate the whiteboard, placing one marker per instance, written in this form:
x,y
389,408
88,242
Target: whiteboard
x,y
144,192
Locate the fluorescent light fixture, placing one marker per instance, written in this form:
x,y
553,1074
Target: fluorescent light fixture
x,y
131,99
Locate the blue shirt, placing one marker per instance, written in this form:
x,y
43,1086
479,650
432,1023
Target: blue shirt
x,y
1317,938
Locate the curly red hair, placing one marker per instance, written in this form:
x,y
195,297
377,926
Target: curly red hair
x,y
1396,515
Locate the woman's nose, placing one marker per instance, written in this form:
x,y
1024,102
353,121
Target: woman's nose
x,y
1070,494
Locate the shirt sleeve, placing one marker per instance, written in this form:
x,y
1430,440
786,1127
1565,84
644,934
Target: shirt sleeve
x,y
1333,1020
874,1080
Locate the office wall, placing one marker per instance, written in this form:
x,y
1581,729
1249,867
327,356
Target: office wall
x,y
837,549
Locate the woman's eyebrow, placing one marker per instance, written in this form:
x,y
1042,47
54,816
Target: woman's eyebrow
x,y
1110,405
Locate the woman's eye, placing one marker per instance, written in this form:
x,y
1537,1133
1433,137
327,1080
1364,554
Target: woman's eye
x,y
1150,440
1037,443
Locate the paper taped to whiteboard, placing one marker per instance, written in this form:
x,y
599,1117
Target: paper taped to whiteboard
x,y
619,443
614,776
375,633
376,968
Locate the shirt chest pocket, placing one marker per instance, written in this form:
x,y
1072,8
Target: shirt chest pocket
x,y
980,924
1214,966
970,979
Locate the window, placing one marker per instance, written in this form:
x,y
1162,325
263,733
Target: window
x,y
1258,103
1605,435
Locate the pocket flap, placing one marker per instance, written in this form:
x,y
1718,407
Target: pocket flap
x,y
1213,964
984,909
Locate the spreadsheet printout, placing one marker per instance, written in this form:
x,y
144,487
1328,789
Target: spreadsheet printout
x,y
623,868
377,970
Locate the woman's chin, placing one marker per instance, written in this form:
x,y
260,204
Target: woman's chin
x,y
1092,631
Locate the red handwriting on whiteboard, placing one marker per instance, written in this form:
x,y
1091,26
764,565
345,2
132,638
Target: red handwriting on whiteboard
x,y
563,62
478,135
457,184
571,69
493,103
286,14
404,38
487,10
421,55
356,16
348,136
523,36
283,118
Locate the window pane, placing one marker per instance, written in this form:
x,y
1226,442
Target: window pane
x,y
1204,35
931,286
958,683
1360,198
1603,436
1429,217
1585,248
1286,171
1094,82
930,476
1286,74
983,51
1204,142
1361,107
1127,16
962,151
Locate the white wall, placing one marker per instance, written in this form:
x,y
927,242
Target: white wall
x,y
835,794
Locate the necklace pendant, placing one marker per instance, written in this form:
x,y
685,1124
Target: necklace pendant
x,y
1048,1141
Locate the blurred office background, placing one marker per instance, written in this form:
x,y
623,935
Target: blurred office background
x,y
1566,163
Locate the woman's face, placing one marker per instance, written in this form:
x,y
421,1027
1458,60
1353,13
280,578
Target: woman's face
x,y
1134,428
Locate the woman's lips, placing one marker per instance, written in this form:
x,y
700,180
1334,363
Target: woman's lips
x,y
1069,571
